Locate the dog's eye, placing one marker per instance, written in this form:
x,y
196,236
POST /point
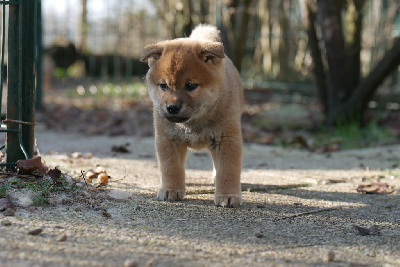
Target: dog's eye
x,y
163,86
191,86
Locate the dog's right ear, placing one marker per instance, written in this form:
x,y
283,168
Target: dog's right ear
x,y
151,51
212,51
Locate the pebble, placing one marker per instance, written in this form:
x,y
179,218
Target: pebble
x,y
328,256
6,223
35,232
76,155
150,263
258,235
5,203
130,263
87,155
9,212
62,238
31,208
105,214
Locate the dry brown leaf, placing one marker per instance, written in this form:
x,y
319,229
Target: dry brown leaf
x,y
54,174
120,148
373,230
302,142
375,188
31,166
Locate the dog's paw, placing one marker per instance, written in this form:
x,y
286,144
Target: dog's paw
x,y
228,201
170,194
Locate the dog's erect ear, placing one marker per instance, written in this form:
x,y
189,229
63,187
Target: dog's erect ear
x,y
212,51
151,51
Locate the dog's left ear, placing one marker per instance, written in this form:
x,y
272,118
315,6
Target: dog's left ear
x,y
212,52
151,51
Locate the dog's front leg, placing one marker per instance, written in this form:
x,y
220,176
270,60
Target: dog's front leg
x,y
227,158
171,158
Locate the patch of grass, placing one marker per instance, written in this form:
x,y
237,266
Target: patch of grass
x,y
351,136
40,201
3,189
40,188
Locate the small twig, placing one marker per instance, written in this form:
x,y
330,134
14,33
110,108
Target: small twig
x,y
84,179
19,122
48,189
121,178
309,212
126,174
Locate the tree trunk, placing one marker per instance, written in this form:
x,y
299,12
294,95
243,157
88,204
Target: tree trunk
x,y
241,37
236,27
283,41
318,66
358,102
266,28
84,27
329,19
343,96
353,31
187,12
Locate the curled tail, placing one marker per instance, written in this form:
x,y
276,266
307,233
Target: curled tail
x,y
206,32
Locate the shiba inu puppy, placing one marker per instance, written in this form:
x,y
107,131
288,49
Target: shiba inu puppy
x,y
198,97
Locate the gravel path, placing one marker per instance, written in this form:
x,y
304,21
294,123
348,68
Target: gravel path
x,y
300,209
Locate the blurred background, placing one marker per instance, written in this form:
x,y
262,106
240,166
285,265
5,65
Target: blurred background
x,y
310,68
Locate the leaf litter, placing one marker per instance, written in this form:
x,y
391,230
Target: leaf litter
x,y
375,188
30,183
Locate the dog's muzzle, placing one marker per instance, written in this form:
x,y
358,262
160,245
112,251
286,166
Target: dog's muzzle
x,y
176,119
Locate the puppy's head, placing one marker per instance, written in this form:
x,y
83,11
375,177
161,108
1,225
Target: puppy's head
x,y
185,77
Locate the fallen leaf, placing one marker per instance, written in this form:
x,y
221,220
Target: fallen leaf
x,y
5,203
258,235
267,139
31,166
373,230
328,256
54,174
331,148
35,232
302,141
6,223
9,212
105,214
62,238
130,263
121,148
375,188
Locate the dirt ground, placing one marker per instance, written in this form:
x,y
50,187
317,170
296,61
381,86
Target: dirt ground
x,y
300,209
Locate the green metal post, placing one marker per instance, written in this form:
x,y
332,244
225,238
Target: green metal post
x,y
39,88
13,150
28,19
3,37
22,74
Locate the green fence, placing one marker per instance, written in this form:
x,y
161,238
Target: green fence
x,y
18,125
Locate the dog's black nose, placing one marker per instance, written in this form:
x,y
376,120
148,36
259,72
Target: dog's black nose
x,y
173,109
